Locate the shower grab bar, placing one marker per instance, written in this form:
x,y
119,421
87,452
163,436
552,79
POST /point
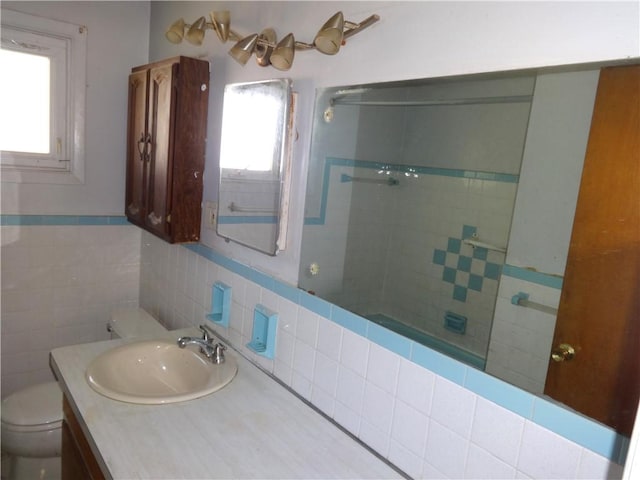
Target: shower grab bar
x,y
237,208
477,243
382,181
522,299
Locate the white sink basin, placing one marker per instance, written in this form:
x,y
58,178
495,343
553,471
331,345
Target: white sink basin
x,y
156,372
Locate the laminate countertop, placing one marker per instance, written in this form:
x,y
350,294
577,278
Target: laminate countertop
x,y
252,428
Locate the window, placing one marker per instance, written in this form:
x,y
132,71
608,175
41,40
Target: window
x,y
42,94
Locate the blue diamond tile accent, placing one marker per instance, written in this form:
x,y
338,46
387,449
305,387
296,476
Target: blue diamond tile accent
x,y
475,282
492,271
453,245
439,257
453,263
459,293
449,275
464,263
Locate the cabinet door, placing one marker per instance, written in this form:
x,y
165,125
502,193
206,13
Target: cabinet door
x,y
78,460
161,122
138,144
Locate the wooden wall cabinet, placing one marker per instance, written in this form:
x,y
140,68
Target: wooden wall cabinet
x,y
166,134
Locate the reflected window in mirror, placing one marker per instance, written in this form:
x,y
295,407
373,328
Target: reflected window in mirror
x,y
249,148
254,164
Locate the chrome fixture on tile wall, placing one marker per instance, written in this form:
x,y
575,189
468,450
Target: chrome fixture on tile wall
x,y
267,49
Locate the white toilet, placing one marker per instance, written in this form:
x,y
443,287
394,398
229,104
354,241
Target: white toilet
x,y
32,417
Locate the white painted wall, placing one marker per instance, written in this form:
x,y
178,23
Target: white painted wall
x,y
117,40
412,40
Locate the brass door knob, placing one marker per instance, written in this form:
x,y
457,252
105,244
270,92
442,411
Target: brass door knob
x,y
563,353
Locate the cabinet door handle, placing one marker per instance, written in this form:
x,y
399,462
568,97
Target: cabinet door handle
x,y
144,146
148,146
133,209
154,219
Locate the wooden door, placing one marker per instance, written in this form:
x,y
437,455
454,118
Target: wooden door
x,y
599,312
161,128
137,147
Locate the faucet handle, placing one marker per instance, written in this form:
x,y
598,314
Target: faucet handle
x,y
205,334
218,353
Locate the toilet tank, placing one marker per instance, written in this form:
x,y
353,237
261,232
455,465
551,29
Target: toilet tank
x,y
133,322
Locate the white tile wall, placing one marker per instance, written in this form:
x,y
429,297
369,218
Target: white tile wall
x,y
521,337
59,285
424,424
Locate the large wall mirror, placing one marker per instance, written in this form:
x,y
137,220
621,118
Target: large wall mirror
x,y
409,214
254,164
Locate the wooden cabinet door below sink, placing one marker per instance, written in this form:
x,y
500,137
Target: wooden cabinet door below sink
x,y
78,461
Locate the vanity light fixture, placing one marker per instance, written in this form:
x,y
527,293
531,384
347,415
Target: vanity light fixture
x,y
267,49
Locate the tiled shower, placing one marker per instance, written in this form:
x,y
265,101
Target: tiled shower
x,y
402,208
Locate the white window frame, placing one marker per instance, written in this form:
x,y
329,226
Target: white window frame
x,y
65,44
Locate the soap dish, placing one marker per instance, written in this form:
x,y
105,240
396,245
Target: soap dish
x,y
220,304
263,336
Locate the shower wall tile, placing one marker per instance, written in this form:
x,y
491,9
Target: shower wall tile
x,y
521,337
59,285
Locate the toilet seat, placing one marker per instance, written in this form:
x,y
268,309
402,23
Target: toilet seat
x,y
32,421
35,408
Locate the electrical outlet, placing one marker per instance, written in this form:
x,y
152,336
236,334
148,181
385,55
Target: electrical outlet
x,y
210,215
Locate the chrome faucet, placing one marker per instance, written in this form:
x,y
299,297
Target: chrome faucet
x,y
208,346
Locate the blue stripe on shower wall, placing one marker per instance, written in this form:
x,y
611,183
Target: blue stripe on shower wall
x,y
528,275
26,220
402,169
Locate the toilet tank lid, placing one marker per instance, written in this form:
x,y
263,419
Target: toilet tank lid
x,y
36,405
134,322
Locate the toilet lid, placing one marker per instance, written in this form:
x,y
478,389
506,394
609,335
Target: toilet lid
x,y
37,405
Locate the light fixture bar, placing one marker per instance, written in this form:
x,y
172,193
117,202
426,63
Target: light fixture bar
x,y
354,28
266,47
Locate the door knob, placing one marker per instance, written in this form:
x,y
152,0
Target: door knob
x,y
563,353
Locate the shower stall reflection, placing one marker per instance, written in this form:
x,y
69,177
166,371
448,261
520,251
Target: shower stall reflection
x,y
410,196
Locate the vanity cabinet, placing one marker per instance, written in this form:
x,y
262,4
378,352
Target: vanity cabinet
x,y
78,460
167,124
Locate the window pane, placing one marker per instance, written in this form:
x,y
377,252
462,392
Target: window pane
x,y
250,143
24,96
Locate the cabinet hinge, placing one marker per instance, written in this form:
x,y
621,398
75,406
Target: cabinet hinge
x,y
169,218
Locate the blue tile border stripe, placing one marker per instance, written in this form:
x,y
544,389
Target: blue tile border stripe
x,y
400,168
528,275
570,425
573,426
30,220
